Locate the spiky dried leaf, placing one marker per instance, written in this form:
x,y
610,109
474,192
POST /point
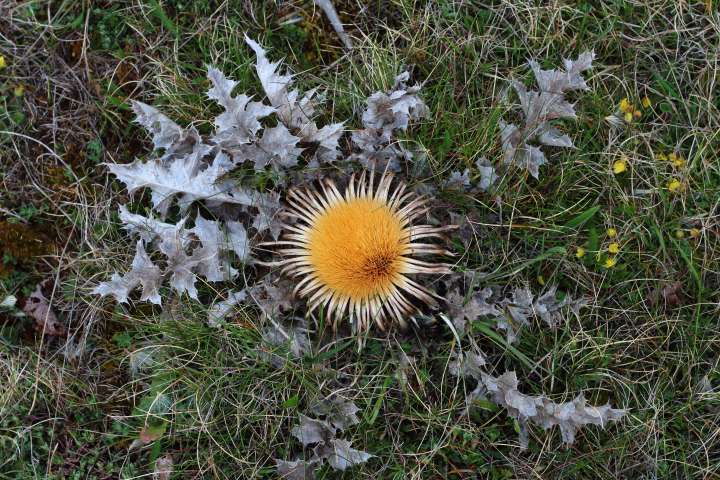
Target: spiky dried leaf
x,y
339,412
143,272
540,410
187,178
219,310
298,469
340,455
312,431
239,123
477,305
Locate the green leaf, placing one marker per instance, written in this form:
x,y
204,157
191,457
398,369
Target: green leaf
x,y
583,217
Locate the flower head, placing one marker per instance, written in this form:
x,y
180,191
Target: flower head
x,y
610,262
674,185
619,166
626,106
614,247
677,160
354,251
580,252
646,103
611,232
3,63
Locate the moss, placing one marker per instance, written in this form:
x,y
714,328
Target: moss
x,y
20,245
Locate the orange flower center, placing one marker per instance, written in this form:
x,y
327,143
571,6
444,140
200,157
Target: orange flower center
x,y
357,248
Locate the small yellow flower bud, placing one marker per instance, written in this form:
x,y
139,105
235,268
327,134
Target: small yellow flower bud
x,y
626,106
677,160
661,157
3,64
610,262
19,90
695,232
679,234
611,232
580,252
541,280
628,117
637,114
614,247
646,103
619,166
674,185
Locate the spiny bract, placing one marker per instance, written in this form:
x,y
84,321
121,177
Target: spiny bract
x,y
354,252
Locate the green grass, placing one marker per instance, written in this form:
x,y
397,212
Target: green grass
x,y
220,408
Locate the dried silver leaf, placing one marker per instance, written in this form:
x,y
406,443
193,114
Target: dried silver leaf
x,y
295,338
339,412
240,122
458,180
541,108
165,132
297,470
268,218
312,431
143,272
515,313
394,109
477,305
488,176
238,240
340,455
540,410
186,178
548,308
148,228
219,310
213,263
277,148
558,81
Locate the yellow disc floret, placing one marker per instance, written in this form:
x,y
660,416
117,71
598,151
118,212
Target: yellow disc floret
x,y
356,248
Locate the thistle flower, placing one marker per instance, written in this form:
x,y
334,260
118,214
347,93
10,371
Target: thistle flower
x,y
354,251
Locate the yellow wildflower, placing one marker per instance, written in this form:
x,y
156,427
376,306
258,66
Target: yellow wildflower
x,y
19,90
610,262
614,247
580,252
619,166
677,161
695,232
637,114
3,64
646,103
661,157
541,280
626,106
674,185
679,234
611,232
628,117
